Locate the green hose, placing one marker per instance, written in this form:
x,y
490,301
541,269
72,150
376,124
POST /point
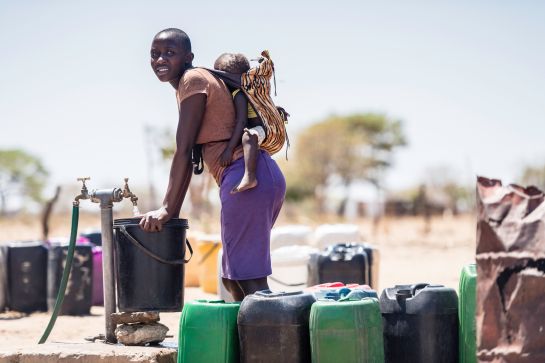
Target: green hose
x,y
65,275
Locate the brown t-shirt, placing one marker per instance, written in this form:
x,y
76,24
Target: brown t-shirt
x,y
218,121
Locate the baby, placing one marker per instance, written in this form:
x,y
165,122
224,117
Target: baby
x,y
248,125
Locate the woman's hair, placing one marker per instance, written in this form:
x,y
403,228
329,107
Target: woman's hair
x,y
232,63
179,36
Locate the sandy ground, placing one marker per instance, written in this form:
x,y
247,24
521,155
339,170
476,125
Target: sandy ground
x,y
408,255
17,330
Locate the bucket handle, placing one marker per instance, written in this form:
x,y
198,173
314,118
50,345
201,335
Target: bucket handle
x,y
209,252
141,247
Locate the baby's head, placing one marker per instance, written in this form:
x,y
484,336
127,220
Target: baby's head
x,y
232,63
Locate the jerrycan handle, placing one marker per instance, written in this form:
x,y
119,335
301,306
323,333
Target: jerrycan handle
x,y
339,252
417,287
269,293
141,247
403,294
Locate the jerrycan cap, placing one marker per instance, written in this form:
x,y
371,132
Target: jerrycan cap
x,y
359,294
343,291
332,295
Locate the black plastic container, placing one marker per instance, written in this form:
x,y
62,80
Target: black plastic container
x,y
344,262
420,324
274,327
3,277
78,294
150,265
27,276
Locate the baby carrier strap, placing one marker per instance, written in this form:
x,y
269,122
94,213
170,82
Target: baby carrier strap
x,y
197,160
196,153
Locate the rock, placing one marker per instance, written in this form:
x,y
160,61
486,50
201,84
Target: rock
x,y
138,317
141,334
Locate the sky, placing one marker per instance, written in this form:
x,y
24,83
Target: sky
x,y
466,78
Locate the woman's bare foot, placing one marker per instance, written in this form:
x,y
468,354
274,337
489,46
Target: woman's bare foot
x,y
248,182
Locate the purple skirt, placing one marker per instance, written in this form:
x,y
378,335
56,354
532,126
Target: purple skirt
x,y
248,217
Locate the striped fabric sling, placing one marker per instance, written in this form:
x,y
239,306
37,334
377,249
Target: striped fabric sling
x,y
256,85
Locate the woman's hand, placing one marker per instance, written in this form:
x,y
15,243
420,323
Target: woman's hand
x,y
226,156
153,221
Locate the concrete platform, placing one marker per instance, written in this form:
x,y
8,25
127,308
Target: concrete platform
x,y
87,353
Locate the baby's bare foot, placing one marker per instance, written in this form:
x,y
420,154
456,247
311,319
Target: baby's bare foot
x,y
247,182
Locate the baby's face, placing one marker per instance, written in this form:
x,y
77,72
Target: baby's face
x,y
168,58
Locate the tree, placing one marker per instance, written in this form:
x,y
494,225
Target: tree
x,y
21,175
533,175
353,147
445,188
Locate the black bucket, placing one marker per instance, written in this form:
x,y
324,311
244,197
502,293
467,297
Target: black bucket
x,y
150,265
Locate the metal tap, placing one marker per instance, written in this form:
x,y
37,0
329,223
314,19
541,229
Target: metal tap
x,y
128,194
84,192
106,198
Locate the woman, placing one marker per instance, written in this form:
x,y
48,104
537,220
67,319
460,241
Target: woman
x,y
207,117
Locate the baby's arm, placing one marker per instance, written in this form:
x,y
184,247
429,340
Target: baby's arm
x,y
241,111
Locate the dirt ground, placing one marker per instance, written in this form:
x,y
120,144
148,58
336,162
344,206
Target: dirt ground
x,y
408,255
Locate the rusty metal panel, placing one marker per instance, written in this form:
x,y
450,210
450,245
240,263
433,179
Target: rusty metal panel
x,y
510,273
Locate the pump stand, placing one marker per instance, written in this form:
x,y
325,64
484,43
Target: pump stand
x,y
106,198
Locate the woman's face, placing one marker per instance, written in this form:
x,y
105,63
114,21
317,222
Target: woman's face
x,y
168,59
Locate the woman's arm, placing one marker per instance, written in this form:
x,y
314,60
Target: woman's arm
x,y
189,124
241,110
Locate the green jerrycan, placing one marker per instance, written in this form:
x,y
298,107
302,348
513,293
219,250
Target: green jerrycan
x,y
466,314
208,332
348,331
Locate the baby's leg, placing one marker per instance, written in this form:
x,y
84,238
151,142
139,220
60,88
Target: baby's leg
x,y
250,146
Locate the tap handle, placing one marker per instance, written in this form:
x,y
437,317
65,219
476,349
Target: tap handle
x,y
126,186
128,194
83,179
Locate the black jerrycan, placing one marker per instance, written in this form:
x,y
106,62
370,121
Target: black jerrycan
x,y
344,262
27,276
420,324
3,277
78,294
274,327
150,265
